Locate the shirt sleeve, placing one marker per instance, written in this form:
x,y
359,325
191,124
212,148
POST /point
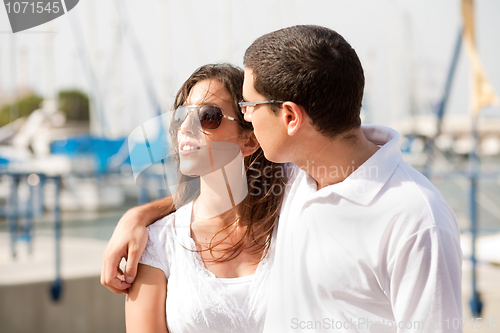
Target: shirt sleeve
x,y
153,255
426,282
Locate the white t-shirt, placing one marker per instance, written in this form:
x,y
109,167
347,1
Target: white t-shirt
x,y
197,301
377,252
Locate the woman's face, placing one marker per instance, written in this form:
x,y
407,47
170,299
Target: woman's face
x,y
202,151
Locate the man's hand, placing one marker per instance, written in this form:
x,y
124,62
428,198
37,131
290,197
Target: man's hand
x,y
128,241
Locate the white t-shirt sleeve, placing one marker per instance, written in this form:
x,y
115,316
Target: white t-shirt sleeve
x,y
153,254
426,282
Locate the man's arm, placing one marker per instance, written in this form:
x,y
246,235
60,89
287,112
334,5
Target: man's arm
x,y
426,282
145,303
128,241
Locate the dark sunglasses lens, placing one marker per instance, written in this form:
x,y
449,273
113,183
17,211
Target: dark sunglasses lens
x,y
210,116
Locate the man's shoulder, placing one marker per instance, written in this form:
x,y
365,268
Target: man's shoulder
x,y
411,191
411,183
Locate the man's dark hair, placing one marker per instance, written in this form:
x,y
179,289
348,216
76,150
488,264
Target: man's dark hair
x,y
313,67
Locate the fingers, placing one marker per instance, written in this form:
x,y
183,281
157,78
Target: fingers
x,y
121,276
118,286
128,241
110,274
132,263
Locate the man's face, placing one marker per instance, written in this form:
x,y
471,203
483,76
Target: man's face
x,y
268,128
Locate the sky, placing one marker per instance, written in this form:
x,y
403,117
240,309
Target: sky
x,y
128,61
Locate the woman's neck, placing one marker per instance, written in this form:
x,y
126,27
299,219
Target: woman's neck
x,y
221,191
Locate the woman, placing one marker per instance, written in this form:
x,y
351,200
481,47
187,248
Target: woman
x,y
214,252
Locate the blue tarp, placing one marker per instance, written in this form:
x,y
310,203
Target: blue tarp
x,y
100,148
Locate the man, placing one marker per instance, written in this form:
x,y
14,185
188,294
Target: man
x,y
364,243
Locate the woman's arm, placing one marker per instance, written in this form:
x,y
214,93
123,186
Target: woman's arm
x,y
145,303
128,241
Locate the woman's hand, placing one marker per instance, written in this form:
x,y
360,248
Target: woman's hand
x,y
129,241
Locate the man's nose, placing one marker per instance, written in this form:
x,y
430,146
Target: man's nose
x,y
248,116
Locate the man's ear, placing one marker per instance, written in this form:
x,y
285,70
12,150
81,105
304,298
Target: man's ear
x,y
293,117
250,145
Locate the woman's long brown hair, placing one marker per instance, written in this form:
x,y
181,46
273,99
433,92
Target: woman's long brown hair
x,y
266,180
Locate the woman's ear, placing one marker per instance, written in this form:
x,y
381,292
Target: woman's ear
x,y
250,144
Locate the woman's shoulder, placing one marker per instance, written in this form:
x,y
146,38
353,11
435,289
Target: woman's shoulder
x,y
164,237
172,221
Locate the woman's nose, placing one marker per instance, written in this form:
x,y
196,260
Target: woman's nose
x,y
187,126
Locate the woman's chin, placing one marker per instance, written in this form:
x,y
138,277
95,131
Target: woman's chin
x,y
194,168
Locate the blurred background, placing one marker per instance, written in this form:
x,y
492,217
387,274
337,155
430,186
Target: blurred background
x,y
73,89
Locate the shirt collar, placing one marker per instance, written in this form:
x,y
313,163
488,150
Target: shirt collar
x,y
366,182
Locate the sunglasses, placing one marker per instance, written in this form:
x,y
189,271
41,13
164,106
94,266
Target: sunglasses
x,y
210,116
248,107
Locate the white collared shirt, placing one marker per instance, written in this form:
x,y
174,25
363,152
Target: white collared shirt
x,y
377,252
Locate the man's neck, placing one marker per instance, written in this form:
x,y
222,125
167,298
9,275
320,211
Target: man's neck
x,y
330,161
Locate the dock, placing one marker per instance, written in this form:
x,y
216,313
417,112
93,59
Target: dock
x,y
26,303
